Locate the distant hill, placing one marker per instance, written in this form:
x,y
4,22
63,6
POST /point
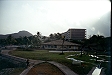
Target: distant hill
x,y
17,35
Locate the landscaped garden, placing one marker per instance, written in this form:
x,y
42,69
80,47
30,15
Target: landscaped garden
x,y
45,55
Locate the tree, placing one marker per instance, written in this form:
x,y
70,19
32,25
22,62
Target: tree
x,y
95,42
20,41
26,41
63,39
36,41
38,38
58,36
3,42
55,36
44,38
98,42
10,40
51,36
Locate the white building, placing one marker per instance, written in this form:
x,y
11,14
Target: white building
x,y
57,45
75,34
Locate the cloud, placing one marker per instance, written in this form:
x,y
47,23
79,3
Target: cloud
x,y
93,29
55,16
101,26
99,33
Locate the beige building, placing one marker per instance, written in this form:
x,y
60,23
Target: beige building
x,y
75,34
57,45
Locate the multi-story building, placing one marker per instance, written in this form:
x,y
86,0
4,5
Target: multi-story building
x,y
75,34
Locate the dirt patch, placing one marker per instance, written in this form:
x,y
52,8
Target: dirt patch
x,y
45,69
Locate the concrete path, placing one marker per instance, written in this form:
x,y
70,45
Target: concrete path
x,y
63,68
26,70
5,52
101,73
31,66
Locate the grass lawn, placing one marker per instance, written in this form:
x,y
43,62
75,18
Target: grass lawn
x,y
40,55
50,56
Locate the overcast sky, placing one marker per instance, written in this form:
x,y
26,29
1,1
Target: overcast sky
x,y
55,16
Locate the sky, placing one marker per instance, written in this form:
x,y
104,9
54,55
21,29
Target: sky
x,y
55,16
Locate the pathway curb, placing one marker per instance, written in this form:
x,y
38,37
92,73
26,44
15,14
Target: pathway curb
x,y
29,68
63,68
26,71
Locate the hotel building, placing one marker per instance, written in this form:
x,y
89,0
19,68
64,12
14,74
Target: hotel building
x,y
75,34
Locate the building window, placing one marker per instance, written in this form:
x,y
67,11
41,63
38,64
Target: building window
x,y
51,46
69,46
55,46
48,46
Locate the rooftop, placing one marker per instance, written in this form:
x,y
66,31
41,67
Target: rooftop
x,y
59,42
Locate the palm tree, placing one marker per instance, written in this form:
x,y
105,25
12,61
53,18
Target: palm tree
x,y
63,39
36,41
58,37
26,41
38,35
38,38
44,38
51,36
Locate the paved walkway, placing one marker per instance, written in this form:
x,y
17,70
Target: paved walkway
x,y
63,68
101,73
32,63
5,52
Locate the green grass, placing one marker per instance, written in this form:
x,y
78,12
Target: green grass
x,y
48,56
40,55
